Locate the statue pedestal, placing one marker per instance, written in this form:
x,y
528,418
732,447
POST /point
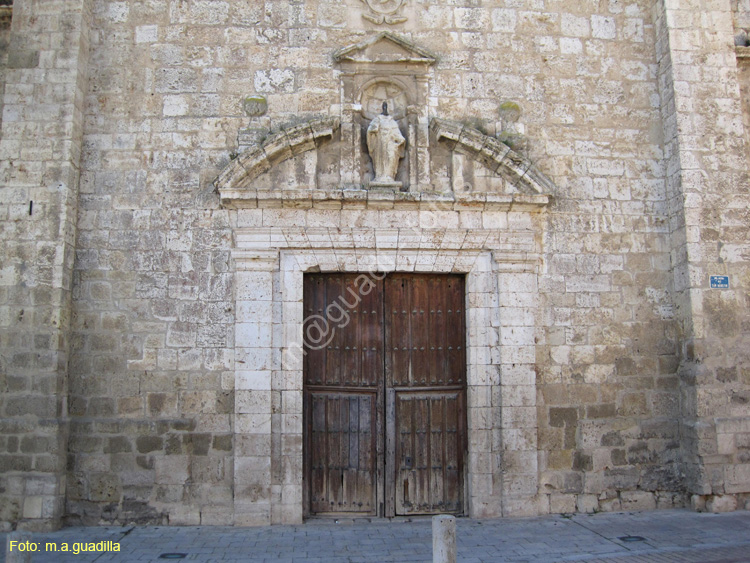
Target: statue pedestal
x,y
385,185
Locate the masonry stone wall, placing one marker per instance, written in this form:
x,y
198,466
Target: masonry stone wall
x,y
6,14
707,193
124,362
40,153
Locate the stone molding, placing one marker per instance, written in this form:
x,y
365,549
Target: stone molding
x,y
496,156
259,245
382,199
277,148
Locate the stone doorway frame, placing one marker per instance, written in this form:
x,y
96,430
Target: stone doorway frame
x,y
502,332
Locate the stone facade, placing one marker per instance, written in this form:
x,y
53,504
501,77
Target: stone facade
x,y
171,168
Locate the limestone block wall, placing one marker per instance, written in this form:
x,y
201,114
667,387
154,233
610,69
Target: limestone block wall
x,y
741,20
707,177
6,14
152,383
40,148
631,109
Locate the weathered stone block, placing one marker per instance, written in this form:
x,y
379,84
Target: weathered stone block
x,y
104,487
637,500
587,503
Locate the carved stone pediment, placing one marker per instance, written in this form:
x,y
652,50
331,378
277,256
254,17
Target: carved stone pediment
x,y
277,148
342,156
384,48
256,177
518,173
390,69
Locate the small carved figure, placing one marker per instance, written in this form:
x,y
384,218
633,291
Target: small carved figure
x,y
386,145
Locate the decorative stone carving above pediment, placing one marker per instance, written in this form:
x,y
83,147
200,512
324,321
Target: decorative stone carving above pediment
x,y
384,11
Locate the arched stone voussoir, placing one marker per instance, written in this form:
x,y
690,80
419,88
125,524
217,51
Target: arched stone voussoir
x,y
287,143
495,155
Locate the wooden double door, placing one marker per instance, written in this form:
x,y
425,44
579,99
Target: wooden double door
x,y
384,394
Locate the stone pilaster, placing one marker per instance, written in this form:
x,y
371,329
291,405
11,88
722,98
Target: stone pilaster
x,y
254,467
39,171
705,156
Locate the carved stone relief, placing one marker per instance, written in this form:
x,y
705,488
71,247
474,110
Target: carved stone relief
x,y
384,11
384,137
380,92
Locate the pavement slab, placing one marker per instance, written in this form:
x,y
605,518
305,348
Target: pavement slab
x,y
666,536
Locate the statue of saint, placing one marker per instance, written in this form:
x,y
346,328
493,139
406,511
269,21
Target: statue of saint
x,y
386,145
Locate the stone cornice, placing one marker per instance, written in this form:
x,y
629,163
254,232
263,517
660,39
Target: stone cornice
x,y
382,199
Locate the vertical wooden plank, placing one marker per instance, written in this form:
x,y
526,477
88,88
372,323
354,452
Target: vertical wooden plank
x,y
437,451
317,454
313,305
355,327
346,323
378,347
333,356
461,445
391,464
365,463
456,358
398,320
371,320
422,453
437,330
420,332
396,364
351,455
404,482
453,462
334,452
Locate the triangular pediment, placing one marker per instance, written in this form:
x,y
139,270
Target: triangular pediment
x,y
385,47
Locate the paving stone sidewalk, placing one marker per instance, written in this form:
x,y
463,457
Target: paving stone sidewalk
x,y
659,536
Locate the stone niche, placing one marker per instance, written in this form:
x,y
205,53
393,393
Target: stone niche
x,y
385,69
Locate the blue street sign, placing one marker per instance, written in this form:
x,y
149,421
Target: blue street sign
x,y
719,282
